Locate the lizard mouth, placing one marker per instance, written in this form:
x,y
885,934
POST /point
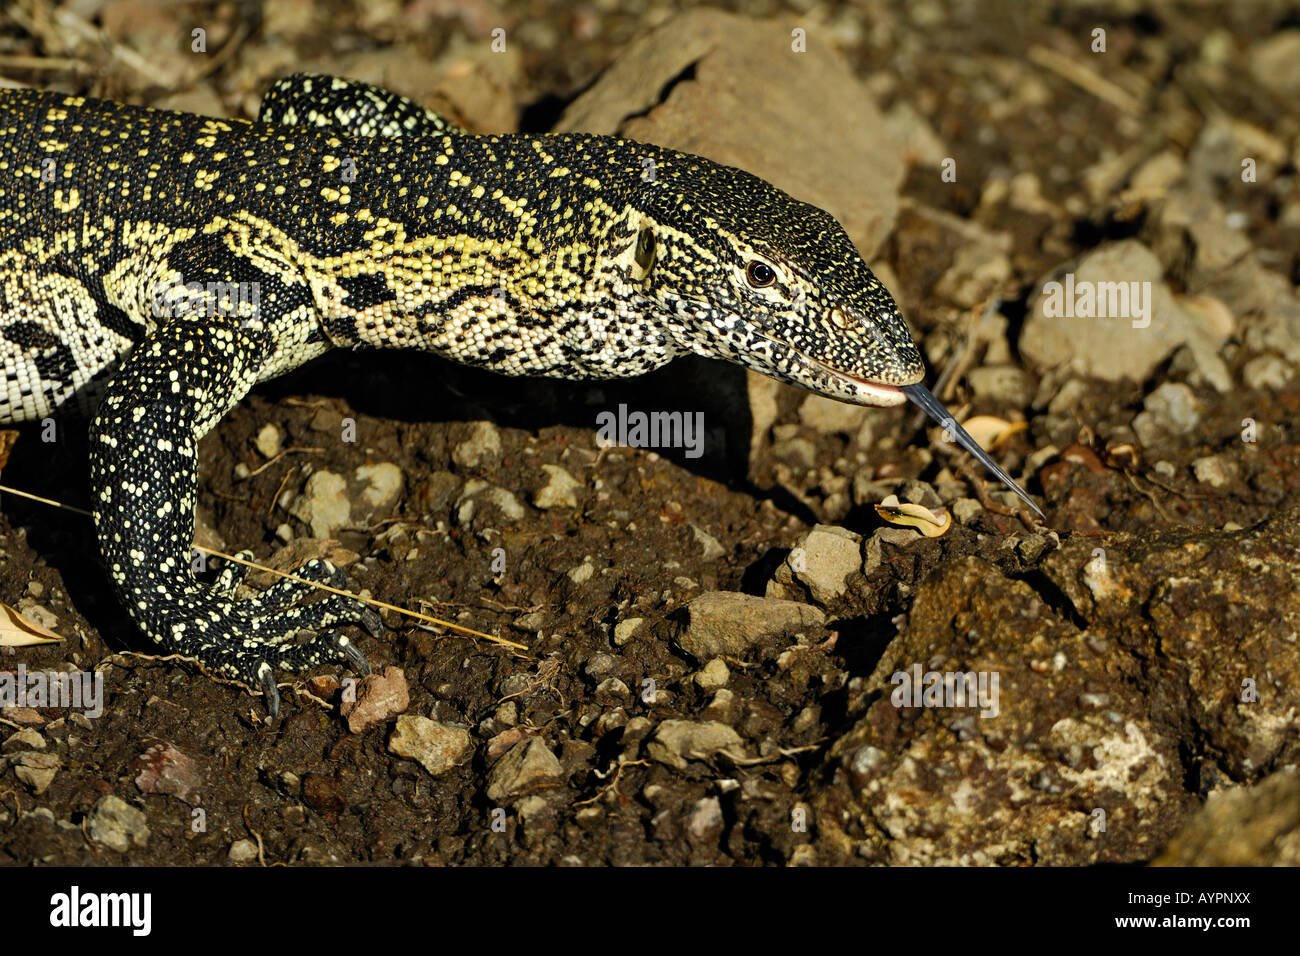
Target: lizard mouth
x,y
864,391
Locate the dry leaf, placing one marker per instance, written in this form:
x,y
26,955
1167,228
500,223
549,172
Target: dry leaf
x,y
989,431
17,631
932,524
8,438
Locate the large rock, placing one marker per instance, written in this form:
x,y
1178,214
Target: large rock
x,y
1140,664
1242,826
1112,348
732,89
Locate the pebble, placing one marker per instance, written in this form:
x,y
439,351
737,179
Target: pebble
x,y
676,742
1171,409
713,675
583,572
25,739
1111,348
116,824
380,698
164,769
269,441
728,623
705,821
559,491
1267,372
822,560
1217,471
528,765
712,549
482,449
323,505
627,629
437,747
242,851
1275,63
1004,385
37,770
829,417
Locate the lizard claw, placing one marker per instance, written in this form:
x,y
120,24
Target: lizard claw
x,y
269,691
354,656
371,621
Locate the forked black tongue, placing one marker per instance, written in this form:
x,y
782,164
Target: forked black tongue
x,y
921,397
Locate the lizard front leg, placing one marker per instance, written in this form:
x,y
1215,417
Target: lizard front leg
x,y
144,477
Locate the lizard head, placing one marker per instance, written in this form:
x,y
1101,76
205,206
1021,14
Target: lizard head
x,y
741,271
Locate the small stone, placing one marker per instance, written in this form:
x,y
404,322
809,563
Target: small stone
x,y
242,851
822,560
1032,548
559,491
899,537
676,742
37,770
1108,344
1267,372
627,629
436,746
1170,409
25,739
533,809
1069,396
1275,63
713,675
527,766
582,573
1242,826
481,450
705,821
1004,385
729,623
380,698
165,769
712,549
612,690
964,510
269,440
116,824
382,483
323,505
804,854
830,417
979,269
1217,471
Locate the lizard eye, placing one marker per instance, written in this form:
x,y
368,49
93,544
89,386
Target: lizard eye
x,y
759,274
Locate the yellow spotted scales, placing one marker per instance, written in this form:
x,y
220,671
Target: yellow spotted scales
x,y
156,265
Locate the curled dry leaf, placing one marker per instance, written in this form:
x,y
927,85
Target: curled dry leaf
x,y
932,524
17,631
8,438
990,431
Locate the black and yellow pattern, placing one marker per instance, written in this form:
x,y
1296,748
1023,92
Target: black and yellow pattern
x,y
171,261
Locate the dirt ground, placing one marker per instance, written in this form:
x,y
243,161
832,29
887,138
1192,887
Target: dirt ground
x,y
499,510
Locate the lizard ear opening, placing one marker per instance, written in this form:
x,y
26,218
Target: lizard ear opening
x,y
644,256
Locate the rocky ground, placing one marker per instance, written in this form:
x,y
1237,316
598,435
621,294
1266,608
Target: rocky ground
x,y
707,645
